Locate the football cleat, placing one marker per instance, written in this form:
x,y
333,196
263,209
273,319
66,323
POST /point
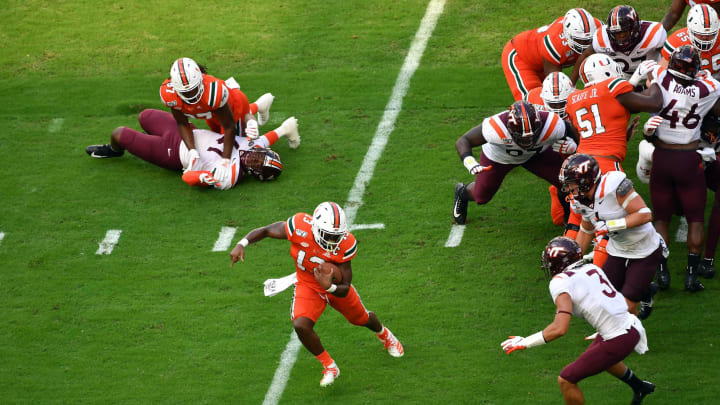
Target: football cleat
x,y
263,103
329,375
692,283
707,268
393,346
460,204
646,307
102,151
646,389
663,275
289,128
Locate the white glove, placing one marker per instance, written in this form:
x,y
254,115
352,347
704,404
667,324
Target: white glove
x,y
651,125
223,171
565,146
601,229
514,343
193,161
642,71
251,129
473,166
707,154
642,169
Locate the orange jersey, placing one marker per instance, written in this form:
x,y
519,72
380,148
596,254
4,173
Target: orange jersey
x,y
600,119
216,94
710,59
307,254
548,43
533,97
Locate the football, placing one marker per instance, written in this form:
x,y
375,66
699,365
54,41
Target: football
x,y
327,267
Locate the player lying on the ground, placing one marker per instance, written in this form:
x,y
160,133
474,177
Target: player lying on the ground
x,y
163,146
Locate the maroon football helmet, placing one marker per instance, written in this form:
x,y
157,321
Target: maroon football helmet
x,y
578,174
264,164
560,253
524,124
684,64
623,28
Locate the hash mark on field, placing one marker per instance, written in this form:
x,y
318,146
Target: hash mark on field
x,y
112,237
456,234
224,239
2,236
366,226
56,124
387,124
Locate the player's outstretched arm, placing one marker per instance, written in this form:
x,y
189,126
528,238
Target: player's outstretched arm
x,y
556,329
275,230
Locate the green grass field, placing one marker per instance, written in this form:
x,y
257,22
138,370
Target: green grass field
x,y
163,319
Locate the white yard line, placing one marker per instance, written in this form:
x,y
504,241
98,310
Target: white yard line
x,y
412,61
224,239
112,236
456,234
2,236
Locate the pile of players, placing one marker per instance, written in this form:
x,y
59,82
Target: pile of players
x,y
576,139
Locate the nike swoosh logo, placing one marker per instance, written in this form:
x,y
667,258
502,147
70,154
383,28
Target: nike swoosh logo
x,y
455,210
96,156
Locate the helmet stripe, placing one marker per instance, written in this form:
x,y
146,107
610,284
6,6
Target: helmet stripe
x,y
614,19
582,72
586,23
336,215
525,119
556,85
706,15
181,68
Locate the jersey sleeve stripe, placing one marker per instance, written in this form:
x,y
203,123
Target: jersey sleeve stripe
x,y
497,128
351,251
651,35
668,48
614,83
600,37
602,188
551,127
551,50
290,225
213,94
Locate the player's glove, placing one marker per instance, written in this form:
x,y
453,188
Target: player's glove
x,y
565,146
207,178
641,72
707,154
222,172
193,161
601,229
651,125
473,166
514,343
251,129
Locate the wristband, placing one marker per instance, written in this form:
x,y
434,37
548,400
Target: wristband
x,y
536,339
585,230
616,224
332,288
244,242
470,162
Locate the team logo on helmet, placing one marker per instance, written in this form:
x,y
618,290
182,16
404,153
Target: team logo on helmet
x,y
559,254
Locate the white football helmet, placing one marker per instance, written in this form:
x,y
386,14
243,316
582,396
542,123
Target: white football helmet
x,y
578,29
702,26
556,89
598,67
187,80
329,225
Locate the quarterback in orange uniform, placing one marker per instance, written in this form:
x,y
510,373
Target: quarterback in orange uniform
x,y
190,92
701,32
533,54
600,112
322,237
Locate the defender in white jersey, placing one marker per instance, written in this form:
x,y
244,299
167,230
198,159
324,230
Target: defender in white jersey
x,y
610,206
521,136
677,175
162,145
583,290
626,39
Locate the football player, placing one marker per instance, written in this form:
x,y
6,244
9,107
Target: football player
x,y
521,136
531,55
322,237
162,145
584,290
625,38
610,206
191,92
710,137
677,172
677,8
601,112
701,32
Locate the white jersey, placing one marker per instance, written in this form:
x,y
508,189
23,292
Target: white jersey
x,y
632,243
593,298
684,107
209,146
500,146
653,37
